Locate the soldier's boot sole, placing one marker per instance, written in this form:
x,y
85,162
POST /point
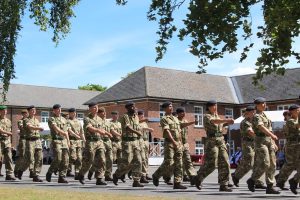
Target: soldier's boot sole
x,y
9,178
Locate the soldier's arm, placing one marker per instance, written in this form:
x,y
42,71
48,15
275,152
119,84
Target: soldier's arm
x,y
185,124
5,132
71,132
33,128
59,131
82,134
263,129
96,130
221,121
171,137
128,126
250,132
115,133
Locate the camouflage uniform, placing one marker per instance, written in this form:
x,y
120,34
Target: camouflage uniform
x,y
94,151
172,156
215,151
33,150
108,148
5,146
116,142
292,149
248,155
59,145
265,159
131,149
75,150
144,142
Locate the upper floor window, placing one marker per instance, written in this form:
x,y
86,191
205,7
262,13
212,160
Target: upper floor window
x,y
44,116
80,116
229,112
198,113
161,111
283,107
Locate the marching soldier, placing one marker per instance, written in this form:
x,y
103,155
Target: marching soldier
x,y
172,148
76,137
131,150
22,144
215,148
60,140
247,160
33,150
265,158
94,150
116,141
5,143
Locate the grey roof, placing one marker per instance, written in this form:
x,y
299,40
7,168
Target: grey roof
x,y
170,84
276,87
46,97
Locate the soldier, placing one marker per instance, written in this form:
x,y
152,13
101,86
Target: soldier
x,y
265,159
215,148
5,143
94,150
292,150
33,150
107,143
21,145
189,172
144,142
172,148
247,160
131,150
76,137
116,141
59,128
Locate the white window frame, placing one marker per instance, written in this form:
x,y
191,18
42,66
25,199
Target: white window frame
x,y
199,147
231,110
282,142
283,107
45,118
161,112
231,147
80,118
198,116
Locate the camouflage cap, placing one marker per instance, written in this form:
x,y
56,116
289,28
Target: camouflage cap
x,y
3,107
259,100
293,107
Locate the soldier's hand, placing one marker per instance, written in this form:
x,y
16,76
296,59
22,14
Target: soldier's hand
x,y
41,129
176,145
274,137
230,121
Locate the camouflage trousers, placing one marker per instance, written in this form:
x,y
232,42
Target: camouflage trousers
x,y
60,157
131,160
117,151
188,167
33,157
75,155
94,156
172,162
21,155
5,151
145,156
247,161
265,160
297,175
292,156
108,157
215,155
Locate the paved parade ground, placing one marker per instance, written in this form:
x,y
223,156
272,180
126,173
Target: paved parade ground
x,y
210,189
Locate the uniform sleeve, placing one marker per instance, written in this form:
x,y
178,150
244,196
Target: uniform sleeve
x,y
27,122
164,124
126,121
51,122
20,124
257,121
86,122
248,126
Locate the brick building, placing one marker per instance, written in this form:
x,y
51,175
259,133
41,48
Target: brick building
x,y
43,98
149,87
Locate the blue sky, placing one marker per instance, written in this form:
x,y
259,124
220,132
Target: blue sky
x,y
107,42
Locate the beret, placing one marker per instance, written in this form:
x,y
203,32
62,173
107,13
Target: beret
x,y
3,107
114,113
180,110
101,109
293,107
56,106
259,100
250,108
140,112
128,104
72,110
30,107
211,103
166,104
92,104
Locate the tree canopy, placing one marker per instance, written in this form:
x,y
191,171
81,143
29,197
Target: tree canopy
x,y
93,87
212,25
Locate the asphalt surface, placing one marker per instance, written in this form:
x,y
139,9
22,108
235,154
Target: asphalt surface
x,y
210,188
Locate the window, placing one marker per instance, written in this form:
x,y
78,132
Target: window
x,y
242,111
199,149
80,116
198,113
161,111
44,116
229,112
281,142
231,147
283,107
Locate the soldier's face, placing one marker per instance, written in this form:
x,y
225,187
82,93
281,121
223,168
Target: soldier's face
x,y
32,111
141,117
57,111
25,114
213,108
261,106
102,114
72,115
132,109
169,109
93,109
115,117
181,115
3,112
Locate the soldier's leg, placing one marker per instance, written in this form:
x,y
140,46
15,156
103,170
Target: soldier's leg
x,y
246,163
100,162
119,154
270,173
88,159
56,148
168,162
8,161
38,161
143,157
64,162
21,153
289,166
127,157
262,161
136,162
72,156
78,162
178,164
146,150
223,165
28,157
187,162
109,159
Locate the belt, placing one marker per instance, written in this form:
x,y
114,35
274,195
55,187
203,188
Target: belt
x,y
93,139
115,140
129,139
213,134
105,139
33,139
247,139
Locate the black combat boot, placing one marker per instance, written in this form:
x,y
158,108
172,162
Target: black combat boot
x,y
251,185
270,189
186,178
123,179
70,174
293,186
198,183
48,176
260,186
37,179
155,180
62,179
9,178
225,188
144,180
137,184
100,182
20,174
31,174
129,174
179,186
81,179
115,179
90,174
192,180
168,180
76,176
235,180
281,186
108,178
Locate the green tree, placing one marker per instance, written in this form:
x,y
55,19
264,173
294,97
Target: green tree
x,y
93,87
